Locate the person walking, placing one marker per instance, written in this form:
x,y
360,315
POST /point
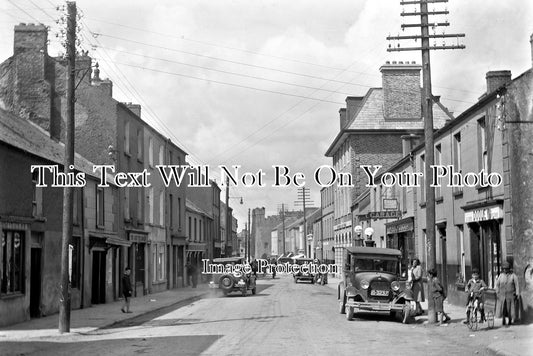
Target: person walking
x,y
418,287
126,290
507,290
437,292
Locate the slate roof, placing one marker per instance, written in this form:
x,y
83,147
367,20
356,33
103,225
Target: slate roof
x,y
195,208
370,116
29,137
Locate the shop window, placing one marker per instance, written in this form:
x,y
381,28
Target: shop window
x,y
12,277
161,262
74,262
154,263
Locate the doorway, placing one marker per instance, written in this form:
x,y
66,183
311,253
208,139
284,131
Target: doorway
x,y
98,280
35,283
139,264
443,257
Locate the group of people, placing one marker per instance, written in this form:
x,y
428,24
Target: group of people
x,y
506,286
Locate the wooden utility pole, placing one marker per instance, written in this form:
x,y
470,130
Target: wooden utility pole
x,y
64,292
304,195
427,112
249,238
283,226
228,217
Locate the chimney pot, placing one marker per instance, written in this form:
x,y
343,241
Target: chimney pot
x,y
393,62
400,62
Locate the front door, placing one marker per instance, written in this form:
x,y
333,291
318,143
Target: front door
x,y
98,280
35,283
139,264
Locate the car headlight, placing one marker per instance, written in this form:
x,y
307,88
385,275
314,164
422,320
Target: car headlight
x,y
395,286
365,284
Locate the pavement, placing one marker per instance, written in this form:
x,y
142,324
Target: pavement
x,y
100,316
519,338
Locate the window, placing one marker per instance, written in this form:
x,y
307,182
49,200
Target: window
x,y
76,206
171,210
74,262
461,255
100,215
154,263
139,145
151,152
195,230
482,149
12,278
151,206
422,180
140,204
190,229
438,162
127,137
127,203
162,208
37,201
457,165
200,222
179,213
161,262
161,161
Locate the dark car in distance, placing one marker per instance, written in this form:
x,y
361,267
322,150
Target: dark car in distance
x,y
238,281
304,270
371,284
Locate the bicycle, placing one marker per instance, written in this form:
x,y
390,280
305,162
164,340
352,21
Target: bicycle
x,y
480,309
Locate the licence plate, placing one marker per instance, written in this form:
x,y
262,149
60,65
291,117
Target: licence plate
x,y
378,292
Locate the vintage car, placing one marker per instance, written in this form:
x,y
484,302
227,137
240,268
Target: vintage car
x,y
237,281
304,272
371,284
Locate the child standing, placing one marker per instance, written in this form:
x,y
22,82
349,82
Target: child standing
x,y
436,290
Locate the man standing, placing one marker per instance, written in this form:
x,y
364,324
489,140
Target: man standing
x,y
418,287
507,290
126,290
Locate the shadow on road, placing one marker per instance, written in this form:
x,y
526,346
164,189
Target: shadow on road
x,y
188,345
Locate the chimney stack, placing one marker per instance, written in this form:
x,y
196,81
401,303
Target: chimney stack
x,y
353,104
496,79
402,95
135,108
342,116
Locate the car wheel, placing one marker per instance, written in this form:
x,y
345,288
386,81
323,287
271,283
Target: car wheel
x,y
349,313
342,306
405,313
226,282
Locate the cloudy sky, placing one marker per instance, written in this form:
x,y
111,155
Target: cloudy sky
x,y
259,83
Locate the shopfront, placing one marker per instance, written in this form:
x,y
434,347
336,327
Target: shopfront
x,y
400,235
485,225
137,256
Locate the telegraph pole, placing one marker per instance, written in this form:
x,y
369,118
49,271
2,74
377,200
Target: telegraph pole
x,y
249,237
304,195
64,292
228,217
427,112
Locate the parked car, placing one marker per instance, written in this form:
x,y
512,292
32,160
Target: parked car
x,y
371,283
304,264
235,281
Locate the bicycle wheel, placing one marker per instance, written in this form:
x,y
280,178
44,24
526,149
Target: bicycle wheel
x,y
473,322
490,319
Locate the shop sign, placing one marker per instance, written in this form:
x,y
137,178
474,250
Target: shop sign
x,y
390,204
342,225
491,213
139,238
384,214
401,227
